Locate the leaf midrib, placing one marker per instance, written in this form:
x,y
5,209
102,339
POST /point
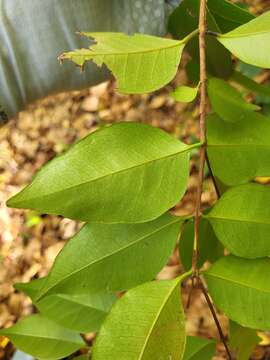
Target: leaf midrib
x,y
185,149
73,301
156,320
237,9
231,36
44,292
237,283
41,337
227,18
93,52
239,145
209,216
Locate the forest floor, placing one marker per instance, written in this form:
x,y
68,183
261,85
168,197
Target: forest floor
x,y
29,242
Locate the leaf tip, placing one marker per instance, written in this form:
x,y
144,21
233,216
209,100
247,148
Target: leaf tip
x,y
13,202
10,202
16,201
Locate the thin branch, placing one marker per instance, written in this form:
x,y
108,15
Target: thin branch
x,y
213,312
196,280
203,104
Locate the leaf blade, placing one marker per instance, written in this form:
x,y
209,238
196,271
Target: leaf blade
x,y
128,183
162,318
137,61
227,102
199,348
228,15
244,226
83,313
242,340
43,338
184,94
253,35
104,250
237,278
239,151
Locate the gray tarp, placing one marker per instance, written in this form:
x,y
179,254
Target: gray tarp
x,y
34,32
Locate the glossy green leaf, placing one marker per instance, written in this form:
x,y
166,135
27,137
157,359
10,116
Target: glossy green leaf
x,y
185,94
241,289
31,288
79,312
141,63
241,220
210,248
226,101
228,15
242,340
83,313
193,71
239,151
128,172
42,338
146,323
113,257
250,84
199,349
250,42
184,20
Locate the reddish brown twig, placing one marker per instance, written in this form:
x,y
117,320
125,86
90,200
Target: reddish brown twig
x,y
203,104
196,280
213,312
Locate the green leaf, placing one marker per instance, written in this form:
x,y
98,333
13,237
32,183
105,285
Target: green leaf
x,y
228,15
226,101
185,93
241,289
199,349
210,248
146,323
31,288
42,338
83,312
241,220
242,340
79,312
128,172
193,71
141,63
184,20
250,84
239,151
250,42
113,257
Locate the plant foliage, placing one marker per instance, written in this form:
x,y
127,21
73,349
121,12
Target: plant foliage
x,y
123,179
